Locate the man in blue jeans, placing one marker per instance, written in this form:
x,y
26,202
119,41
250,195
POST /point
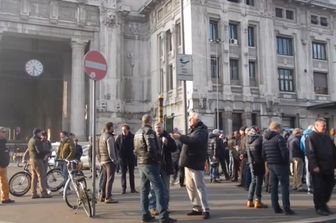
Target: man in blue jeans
x,y
147,149
276,153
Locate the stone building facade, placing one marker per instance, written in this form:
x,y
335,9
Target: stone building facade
x,y
263,60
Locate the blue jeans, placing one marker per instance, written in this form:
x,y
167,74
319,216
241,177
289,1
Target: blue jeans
x,y
280,173
214,173
150,175
255,185
152,197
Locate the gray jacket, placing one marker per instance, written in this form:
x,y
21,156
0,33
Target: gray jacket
x,y
107,152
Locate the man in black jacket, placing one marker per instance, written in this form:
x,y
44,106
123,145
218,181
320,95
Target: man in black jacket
x,y
147,149
125,147
167,146
193,156
4,162
276,153
322,160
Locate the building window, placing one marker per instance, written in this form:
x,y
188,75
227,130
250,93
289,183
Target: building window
x,y
169,40
234,69
161,80
233,33
178,34
284,46
320,83
251,36
254,119
170,78
252,70
314,19
324,21
213,30
161,43
286,80
237,121
319,51
214,67
250,2
289,14
278,12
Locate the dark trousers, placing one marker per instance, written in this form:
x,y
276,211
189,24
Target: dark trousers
x,y
235,169
242,169
323,187
109,169
280,173
127,165
223,162
182,175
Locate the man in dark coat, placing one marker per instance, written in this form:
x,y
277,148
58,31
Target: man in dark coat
x,y
193,156
4,162
276,153
125,147
167,146
257,167
322,160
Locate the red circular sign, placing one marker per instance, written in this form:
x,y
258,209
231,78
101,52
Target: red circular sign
x,y
95,65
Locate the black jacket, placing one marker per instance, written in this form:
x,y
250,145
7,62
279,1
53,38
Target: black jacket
x,y
125,148
321,153
146,146
195,146
166,153
254,154
4,154
275,150
293,144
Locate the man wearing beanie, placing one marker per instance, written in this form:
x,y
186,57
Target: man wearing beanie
x,y
36,155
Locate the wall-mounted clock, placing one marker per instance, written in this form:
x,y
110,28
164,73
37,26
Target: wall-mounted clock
x,y
34,68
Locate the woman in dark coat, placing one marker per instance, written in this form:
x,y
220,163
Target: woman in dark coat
x,y
257,167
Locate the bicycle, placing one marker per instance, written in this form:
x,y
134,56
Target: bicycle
x,y
20,182
76,182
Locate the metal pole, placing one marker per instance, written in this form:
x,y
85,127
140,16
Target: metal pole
x,y
93,138
217,88
185,109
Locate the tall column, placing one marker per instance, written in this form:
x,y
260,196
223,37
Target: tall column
x,y
77,120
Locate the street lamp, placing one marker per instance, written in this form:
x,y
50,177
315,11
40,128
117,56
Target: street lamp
x,y
217,41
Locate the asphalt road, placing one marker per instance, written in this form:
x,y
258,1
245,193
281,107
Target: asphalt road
x,y
227,204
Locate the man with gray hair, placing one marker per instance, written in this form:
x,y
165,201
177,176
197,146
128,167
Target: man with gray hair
x,y
322,161
193,156
147,149
276,153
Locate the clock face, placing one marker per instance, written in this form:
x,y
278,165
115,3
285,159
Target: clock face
x,y
34,68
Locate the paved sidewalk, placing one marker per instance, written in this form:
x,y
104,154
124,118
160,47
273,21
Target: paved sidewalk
x,y
227,203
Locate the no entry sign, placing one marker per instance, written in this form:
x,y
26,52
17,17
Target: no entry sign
x,y
95,65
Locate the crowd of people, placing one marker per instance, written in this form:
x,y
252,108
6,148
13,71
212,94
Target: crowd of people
x,y
250,156
269,157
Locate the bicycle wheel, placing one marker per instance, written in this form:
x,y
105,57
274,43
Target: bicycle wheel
x,y
55,179
85,199
70,195
19,183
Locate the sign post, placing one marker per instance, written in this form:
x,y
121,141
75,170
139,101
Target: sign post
x,y
95,67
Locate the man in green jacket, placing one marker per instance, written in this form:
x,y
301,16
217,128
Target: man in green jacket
x,y
66,151
36,156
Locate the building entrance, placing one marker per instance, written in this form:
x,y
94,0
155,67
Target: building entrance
x,y
28,101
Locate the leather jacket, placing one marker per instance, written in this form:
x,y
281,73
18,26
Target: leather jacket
x,y
146,146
